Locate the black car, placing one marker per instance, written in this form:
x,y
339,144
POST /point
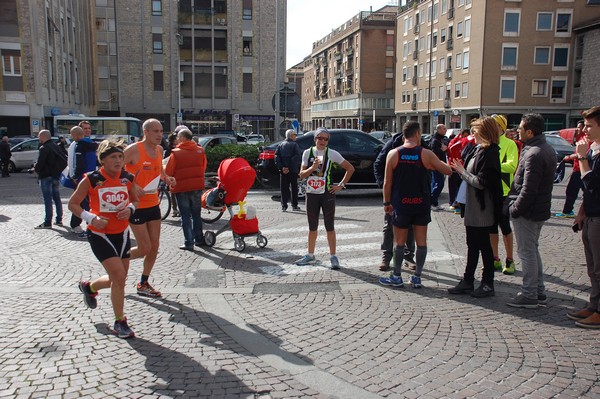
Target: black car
x,y
561,146
357,147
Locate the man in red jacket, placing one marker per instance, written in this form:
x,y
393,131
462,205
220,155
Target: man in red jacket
x,y
187,163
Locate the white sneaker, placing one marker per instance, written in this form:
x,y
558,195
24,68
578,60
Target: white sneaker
x,y
306,260
76,230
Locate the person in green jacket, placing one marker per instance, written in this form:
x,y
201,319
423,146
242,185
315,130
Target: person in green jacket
x,y
509,158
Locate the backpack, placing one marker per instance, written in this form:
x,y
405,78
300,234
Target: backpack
x,y
60,161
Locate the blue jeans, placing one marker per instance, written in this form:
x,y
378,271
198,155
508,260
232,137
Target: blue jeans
x,y
527,234
49,186
190,204
437,185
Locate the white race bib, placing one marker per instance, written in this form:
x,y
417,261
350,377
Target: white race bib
x,y
315,185
113,199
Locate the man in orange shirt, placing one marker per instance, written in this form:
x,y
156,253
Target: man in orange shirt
x,y
187,164
144,160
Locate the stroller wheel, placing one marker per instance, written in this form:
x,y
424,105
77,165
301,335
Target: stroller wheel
x,y
210,238
239,244
261,241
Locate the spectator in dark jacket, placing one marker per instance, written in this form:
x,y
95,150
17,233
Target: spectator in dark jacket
x,y
5,155
529,202
82,159
387,246
49,165
439,146
287,159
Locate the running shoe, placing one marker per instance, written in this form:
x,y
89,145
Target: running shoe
x,y
569,215
497,264
542,300
88,298
484,290
122,330
392,281
76,230
306,260
43,226
335,262
145,289
509,268
415,281
521,301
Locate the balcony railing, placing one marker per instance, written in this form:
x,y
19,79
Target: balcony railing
x,y
413,105
414,80
449,44
448,74
416,55
416,28
447,103
349,50
451,13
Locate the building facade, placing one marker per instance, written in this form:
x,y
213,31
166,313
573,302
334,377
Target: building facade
x,y
48,63
349,82
459,59
211,64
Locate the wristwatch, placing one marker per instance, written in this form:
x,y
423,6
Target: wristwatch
x,y
582,158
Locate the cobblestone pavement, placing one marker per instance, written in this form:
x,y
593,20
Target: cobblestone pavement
x,y
253,325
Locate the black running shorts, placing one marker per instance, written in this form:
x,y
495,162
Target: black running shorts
x,y
106,246
144,215
314,204
404,221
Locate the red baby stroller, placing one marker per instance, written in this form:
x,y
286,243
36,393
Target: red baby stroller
x,y
236,176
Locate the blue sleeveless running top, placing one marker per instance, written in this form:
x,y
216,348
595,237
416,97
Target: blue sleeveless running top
x,y
411,187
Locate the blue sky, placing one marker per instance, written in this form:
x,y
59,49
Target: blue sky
x,y
311,20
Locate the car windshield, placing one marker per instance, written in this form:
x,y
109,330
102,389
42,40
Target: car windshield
x,y
203,141
557,140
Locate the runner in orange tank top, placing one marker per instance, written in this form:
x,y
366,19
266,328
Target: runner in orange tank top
x,y
144,160
113,199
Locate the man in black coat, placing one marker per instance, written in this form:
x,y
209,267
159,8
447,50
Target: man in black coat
x,y
5,155
287,159
51,162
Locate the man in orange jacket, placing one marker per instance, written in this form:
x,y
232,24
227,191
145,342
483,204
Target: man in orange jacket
x,y
187,163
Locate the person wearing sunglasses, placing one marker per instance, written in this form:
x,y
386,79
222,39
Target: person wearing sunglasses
x,y
317,164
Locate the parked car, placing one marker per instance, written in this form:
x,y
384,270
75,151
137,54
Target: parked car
x,y
382,135
560,145
13,141
25,154
212,141
356,147
254,139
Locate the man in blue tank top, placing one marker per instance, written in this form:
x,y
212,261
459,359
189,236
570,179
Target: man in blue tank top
x,y
406,196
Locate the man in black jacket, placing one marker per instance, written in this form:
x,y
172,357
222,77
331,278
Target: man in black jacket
x,y
387,246
529,202
5,155
287,159
51,162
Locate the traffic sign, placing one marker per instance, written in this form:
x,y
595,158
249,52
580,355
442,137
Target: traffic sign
x,y
35,124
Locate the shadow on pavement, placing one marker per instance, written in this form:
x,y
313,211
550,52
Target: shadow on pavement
x,y
205,324
185,377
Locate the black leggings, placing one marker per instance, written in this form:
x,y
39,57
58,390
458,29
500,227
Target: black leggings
x,y
478,240
314,204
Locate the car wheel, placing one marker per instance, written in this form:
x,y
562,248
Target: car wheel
x,y
11,167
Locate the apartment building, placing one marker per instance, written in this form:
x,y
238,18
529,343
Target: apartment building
x,y
458,59
349,82
48,63
210,64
